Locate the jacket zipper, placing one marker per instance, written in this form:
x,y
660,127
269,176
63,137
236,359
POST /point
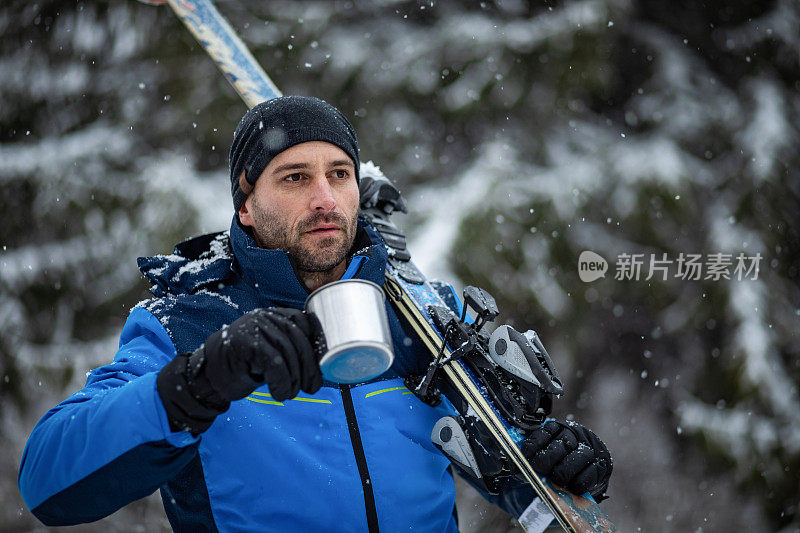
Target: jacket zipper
x,y
361,460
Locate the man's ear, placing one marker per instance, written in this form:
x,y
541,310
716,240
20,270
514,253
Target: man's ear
x,y
245,216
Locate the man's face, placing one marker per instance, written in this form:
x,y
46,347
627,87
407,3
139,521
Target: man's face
x,y
306,202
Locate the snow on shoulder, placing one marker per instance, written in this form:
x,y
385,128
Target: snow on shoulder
x,y
193,265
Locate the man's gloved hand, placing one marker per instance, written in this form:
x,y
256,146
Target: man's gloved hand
x,y
276,346
569,455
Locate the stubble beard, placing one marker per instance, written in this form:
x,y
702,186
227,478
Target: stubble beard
x,y
270,231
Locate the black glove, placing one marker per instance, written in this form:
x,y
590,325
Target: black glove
x,y
276,346
569,455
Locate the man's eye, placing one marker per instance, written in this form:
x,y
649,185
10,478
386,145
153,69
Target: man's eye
x,y
341,174
293,177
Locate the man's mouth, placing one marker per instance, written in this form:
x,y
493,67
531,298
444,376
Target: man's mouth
x,y
324,229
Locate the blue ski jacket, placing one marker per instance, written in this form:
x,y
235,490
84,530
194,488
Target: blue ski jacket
x,y
347,458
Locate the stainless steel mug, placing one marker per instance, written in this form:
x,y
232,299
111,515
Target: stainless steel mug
x,y
353,317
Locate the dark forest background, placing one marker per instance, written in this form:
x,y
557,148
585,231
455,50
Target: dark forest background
x,y
522,133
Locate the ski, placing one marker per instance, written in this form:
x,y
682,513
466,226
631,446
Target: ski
x,y
409,291
414,298
573,513
221,42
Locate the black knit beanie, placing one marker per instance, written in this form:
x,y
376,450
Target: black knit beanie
x,y
275,125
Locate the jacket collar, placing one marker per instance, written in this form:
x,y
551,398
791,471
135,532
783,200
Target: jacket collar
x,y
272,276
214,260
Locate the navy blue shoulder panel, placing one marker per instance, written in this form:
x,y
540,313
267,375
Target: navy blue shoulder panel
x,y
203,261
190,318
107,489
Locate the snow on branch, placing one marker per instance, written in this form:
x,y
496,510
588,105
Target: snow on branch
x,y
46,159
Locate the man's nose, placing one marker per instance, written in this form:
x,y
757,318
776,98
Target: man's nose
x,y
322,195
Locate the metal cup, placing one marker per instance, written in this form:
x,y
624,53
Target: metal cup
x,y
353,317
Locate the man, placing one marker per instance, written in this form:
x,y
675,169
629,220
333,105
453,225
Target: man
x,y
203,399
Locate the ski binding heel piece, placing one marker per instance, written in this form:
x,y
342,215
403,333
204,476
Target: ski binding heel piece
x,y
448,435
466,442
524,356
